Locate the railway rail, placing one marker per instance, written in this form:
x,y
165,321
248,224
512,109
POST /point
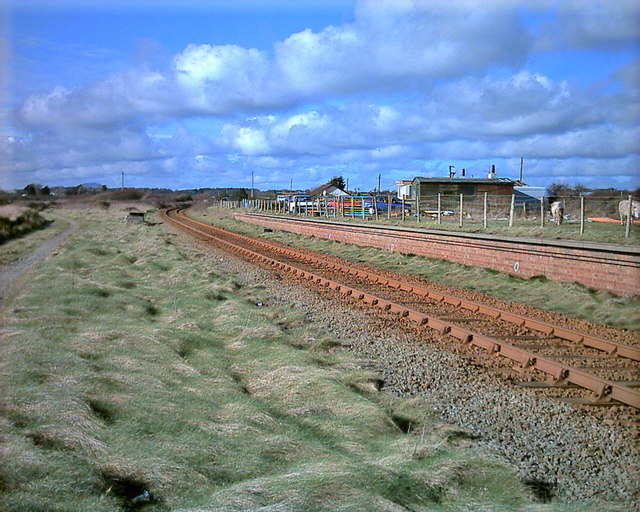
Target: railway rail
x,y
536,347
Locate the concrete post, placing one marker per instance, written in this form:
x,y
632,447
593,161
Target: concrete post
x,y
484,211
627,229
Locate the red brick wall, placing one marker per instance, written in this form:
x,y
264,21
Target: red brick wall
x,y
601,266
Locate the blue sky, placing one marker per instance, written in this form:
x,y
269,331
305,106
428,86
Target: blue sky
x,y
201,94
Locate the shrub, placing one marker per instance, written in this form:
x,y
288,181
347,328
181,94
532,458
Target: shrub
x,y
125,194
26,222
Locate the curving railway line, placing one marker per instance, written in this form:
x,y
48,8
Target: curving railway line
x,y
577,366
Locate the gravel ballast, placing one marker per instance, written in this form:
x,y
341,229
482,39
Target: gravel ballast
x,y
558,449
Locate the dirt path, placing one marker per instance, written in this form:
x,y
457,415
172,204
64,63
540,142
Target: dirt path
x,y
11,273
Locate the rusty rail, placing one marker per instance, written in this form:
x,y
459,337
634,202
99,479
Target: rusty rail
x,y
602,389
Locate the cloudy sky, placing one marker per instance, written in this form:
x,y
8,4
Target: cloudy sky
x,y
191,93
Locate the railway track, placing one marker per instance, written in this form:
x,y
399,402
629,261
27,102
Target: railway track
x,y
576,366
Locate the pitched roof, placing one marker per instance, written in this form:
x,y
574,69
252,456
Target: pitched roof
x,y
319,190
504,181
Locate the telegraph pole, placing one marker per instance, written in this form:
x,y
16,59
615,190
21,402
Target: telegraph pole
x,y
291,185
379,177
122,181
251,184
521,162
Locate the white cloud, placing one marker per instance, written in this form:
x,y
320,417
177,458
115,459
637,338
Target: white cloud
x,y
594,24
407,81
389,44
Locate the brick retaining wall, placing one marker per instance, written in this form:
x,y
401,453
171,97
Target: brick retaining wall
x,y
609,267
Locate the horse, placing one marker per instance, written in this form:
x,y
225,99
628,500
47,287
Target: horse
x,y
557,212
623,209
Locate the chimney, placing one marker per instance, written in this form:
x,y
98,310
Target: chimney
x,y
492,172
463,172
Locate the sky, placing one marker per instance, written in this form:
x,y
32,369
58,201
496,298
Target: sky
x,y
195,93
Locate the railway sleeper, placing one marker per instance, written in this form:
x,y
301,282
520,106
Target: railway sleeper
x,y
601,390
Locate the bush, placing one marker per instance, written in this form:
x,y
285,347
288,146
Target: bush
x,y
126,194
26,222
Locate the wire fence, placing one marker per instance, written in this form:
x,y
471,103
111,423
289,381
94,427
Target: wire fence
x,y
577,213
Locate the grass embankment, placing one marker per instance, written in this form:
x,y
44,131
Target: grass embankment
x,y
572,299
611,233
139,375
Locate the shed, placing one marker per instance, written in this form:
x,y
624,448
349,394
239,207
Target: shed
x,y
456,186
529,195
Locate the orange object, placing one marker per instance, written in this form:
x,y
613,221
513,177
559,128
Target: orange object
x,y
608,219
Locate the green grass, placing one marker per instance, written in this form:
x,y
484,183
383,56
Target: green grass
x,y
571,299
133,363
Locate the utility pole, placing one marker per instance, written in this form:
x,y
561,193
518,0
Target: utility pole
x,y
379,177
122,180
291,185
251,184
521,162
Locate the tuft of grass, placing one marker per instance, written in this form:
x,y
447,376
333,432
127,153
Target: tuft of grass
x,y
155,397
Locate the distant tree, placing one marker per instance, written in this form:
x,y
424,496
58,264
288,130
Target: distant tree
x,y
45,191
556,190
239,194
103,188
72,191
338,181
579,189
31,189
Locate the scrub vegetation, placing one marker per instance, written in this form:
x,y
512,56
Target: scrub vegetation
x,y
139,375
18,221
17,247
572,299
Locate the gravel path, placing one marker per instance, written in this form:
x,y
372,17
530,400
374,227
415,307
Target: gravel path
x,y
9,274
556,448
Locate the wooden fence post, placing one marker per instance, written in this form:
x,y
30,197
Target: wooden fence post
x,y
403,207
439,208
460,216
581,214
512,210
388,206
542,212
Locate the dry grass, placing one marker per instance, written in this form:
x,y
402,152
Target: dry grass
x,y
176,392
